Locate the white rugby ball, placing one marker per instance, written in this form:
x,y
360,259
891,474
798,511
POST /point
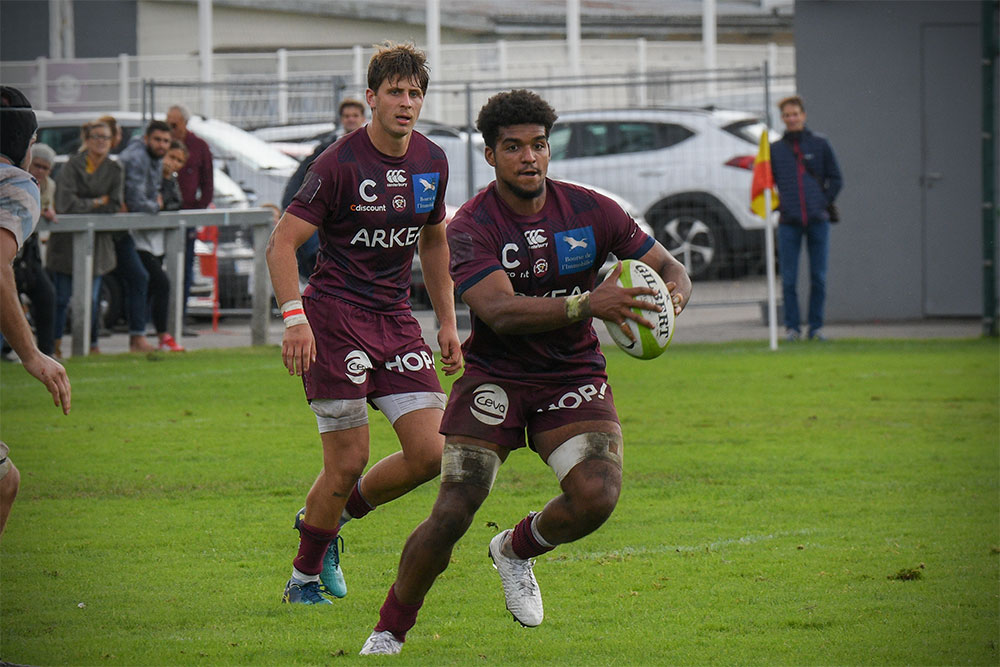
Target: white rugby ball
x,y
648,343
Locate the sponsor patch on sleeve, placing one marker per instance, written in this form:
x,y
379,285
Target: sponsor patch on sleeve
x,y
575,249
425,187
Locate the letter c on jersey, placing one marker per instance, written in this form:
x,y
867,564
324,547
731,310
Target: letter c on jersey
x,y
365,184
505,256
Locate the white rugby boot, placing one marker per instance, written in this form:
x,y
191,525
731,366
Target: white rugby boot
x,y
524,600
381,643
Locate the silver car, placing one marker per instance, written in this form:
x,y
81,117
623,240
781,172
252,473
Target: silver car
x,y
688,170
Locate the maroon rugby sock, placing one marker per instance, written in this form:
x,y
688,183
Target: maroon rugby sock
x,y
313,543
397,617
523,542
357,506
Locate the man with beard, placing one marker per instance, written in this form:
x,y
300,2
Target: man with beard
x,y
525,255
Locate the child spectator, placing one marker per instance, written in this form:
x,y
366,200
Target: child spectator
x,y
151,246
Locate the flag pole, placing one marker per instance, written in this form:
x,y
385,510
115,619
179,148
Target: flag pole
x,y
772,298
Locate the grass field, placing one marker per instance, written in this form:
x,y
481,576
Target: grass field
x,y
826,504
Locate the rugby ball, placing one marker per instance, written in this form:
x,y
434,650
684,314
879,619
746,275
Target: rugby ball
x,y
648,343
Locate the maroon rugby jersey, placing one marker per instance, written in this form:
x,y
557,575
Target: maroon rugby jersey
x,y
369,208
557,252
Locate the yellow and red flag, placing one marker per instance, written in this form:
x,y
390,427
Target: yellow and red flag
x,y
763,179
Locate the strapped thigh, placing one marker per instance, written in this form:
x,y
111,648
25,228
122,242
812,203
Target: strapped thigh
x,y
395,406
469,464
593,445
339,414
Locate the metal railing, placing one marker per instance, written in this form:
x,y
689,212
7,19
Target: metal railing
x,y
175,225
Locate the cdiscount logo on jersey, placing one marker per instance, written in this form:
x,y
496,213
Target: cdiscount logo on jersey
x,y
364,188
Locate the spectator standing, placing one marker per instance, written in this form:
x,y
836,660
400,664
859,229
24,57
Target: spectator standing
x,y
89,182
808,179
32,278
525,255
19,209
116,133
352,116
143,163
375,195
195,180
151,246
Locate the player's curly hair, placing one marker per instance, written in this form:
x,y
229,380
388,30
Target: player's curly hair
x,y
398,61
515,107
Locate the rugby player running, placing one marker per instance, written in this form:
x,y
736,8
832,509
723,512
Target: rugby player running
x,y
525,255
375,195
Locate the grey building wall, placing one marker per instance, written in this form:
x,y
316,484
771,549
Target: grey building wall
x,y
105,28
24,29
101,29
896,88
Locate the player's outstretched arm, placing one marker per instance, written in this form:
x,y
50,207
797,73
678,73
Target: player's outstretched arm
x,y
16,330
298,346
433,248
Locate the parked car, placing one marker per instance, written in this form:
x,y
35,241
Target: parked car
x,y
687,169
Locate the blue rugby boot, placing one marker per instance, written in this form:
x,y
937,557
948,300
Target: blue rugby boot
x,y
332,577
297,592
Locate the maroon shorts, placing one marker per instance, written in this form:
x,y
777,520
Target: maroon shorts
x,y
500,411
364,354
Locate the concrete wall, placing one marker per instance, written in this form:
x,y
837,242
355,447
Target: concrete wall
x,y
859,70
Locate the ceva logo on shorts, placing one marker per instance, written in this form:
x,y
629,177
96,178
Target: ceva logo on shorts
x,y
358,365
489,404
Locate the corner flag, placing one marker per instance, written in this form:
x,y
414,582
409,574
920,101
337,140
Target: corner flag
x,y
763,179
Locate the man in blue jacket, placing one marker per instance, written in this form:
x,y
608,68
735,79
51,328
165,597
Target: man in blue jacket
x,y
808,180
143,163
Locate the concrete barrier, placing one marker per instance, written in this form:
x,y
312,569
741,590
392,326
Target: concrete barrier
x,y
175,224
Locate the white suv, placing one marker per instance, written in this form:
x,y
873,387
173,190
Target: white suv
x,y
688,170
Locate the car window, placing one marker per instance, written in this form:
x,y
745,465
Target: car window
x,y
594,139
559,142
671,134
63,140
749,130
636,137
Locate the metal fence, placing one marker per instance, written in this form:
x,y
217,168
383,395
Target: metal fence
x,y
106,84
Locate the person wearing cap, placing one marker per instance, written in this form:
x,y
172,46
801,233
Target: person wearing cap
x,y
19,209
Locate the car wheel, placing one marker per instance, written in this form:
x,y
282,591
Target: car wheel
x,y
694,237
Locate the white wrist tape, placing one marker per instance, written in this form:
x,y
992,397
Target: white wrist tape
x,y
293,313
